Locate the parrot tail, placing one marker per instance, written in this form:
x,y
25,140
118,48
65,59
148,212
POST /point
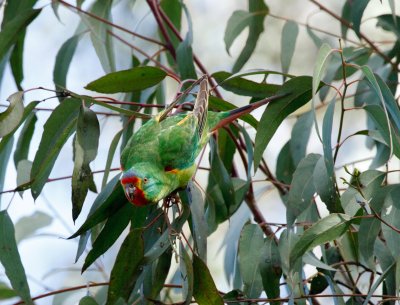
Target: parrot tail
x,y
201,106
238,112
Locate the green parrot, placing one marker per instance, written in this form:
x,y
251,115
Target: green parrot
x,y
160,157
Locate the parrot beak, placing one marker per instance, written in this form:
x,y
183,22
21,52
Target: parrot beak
x,y
130,191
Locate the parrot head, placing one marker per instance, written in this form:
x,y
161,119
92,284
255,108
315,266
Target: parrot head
x,y
143,184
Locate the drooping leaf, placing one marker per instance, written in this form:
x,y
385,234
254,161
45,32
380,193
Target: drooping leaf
x,y
16,60
10,31
357,11
28,225
204,290
301,194
285,166
63,61
324,173
327,229
198,221
85,151
6,146
111,152
24,140
321,63
288,43
138,78
106,204
369,230
270,269
127,267
187,274
112,229
11,260
13,115
251,244
57,130
184,52
389,23
391,214
300,135
299,90
242,86
256,26
101,39
173,9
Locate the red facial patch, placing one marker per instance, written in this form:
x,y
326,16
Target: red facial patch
x,y
139,198
132,180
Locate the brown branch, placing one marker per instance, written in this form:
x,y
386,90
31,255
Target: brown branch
x,y
65,290
105,21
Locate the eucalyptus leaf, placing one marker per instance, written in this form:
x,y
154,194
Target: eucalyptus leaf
x,y
11,260
134,79
288,43
13,115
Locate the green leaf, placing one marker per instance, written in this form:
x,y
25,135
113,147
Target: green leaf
x,y
198,221
63,61
112,229
251,245
11,260
288,43
110,156
16,60
128,80
256,26
323,56
391,215
12,117
389,135
58,128
127,267
204,290
101,39
299,90
327,229
184,52
187,274
369,230
301,194
10,31
300,135
220,175
270,269
28,225
221,105
389,23
6,292
242,86
106,204
6,146
24,140
88,300
324,173
357,11
85,151
237,22
285,165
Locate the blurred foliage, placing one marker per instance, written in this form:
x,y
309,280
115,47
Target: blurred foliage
x,y
345,227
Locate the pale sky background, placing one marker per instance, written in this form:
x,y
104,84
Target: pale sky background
x,y
47,256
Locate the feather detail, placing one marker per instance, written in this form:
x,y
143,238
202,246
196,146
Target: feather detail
x,y
201,106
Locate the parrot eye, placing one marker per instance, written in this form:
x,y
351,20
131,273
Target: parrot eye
x,y
145,180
